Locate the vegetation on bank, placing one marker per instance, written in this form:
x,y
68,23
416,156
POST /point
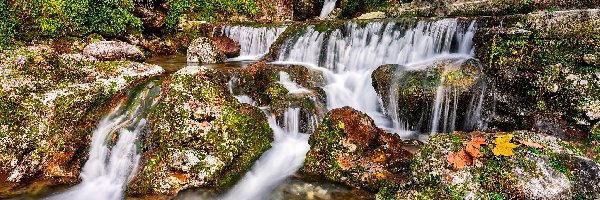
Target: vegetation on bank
x,y
29,20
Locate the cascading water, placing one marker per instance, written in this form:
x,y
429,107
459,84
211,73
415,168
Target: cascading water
x,y
286,155
110,166
284,158
328,6
254,41
348,55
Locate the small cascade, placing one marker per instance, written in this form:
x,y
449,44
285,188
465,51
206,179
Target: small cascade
x,y
242,98
254,41
474,119
349,54
328,6
291,86
113,157
285,157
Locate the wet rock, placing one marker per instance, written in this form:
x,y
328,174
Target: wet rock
x,y
554,171
202,50
113,51
411,91
306,9
201,136
228,46
50,106
542,68
347,147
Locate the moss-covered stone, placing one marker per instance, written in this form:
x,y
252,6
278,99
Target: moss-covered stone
x,y
49,108
543,69
347,147
414,91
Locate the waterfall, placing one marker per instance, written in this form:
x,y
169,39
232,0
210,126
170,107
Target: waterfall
x,y
254,41
328,6
349,54
284,158
111,164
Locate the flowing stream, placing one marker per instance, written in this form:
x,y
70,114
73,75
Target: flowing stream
x,y
114,155
286,155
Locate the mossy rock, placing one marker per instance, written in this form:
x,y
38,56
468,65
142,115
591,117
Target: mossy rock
x,y
347,147
553,170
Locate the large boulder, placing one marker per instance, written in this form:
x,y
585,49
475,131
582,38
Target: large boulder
x,y
113,51
347,147
537,166
49,106
228,46
202,50
413,91
201,136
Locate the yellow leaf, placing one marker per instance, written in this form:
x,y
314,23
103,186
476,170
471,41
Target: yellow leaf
x,y
504,149
503,145
380,158
503,139
380,175
341,125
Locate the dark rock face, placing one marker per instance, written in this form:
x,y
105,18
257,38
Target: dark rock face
x,y
153,18
113,51
306,9
543,69
228,46
347,147
202,50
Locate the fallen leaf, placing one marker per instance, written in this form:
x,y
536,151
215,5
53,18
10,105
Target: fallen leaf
x,y
459,159
504,149
380,175
474,146
380,158
503,145
531,144
341,125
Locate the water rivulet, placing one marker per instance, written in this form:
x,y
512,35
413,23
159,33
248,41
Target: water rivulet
x,y
114,154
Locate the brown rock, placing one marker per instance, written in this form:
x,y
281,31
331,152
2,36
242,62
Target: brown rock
x,y
228,46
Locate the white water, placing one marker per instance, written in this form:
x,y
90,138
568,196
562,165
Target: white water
x,y
328,6
349,55
291,86
285,157
110,168
254,41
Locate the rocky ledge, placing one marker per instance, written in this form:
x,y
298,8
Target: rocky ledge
x,y
49,105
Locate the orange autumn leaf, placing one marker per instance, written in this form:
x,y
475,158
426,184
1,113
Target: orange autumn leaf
x,y
474,146
459,159
531,144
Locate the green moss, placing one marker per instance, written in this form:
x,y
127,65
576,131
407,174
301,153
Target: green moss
x,y
352,8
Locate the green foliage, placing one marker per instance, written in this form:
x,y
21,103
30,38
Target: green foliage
x,y
208,10
7,24
58,18
352,8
